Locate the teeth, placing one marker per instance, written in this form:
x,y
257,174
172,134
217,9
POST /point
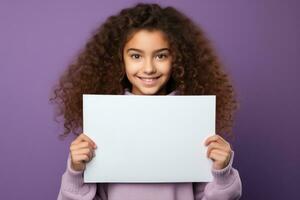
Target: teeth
x,y
148,79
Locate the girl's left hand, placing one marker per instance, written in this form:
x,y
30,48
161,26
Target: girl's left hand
x,y
219,151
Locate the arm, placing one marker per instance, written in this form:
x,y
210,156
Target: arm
x,y
73,187
226,185
72,184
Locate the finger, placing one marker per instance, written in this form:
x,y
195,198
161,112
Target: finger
x,y
78,139
217,155
210,139
220,157
80,152
86,138
219,152
86,151
83,144
216,158
81,158
83,137
215,145
215,138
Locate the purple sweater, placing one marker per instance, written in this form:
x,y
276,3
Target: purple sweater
x,y
226,184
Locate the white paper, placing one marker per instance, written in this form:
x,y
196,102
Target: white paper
x,y
149,138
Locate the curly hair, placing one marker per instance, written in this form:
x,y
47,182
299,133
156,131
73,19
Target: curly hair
x,y
99,67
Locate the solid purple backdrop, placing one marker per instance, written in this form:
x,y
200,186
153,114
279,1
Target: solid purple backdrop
x,y
258,42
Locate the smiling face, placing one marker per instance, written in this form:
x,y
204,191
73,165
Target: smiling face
x,y
147,60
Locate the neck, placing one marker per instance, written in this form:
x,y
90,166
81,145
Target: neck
x,y
127,92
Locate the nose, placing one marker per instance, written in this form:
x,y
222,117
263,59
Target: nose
x,y
149,67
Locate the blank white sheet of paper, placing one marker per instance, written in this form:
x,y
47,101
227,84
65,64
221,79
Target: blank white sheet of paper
x,y
147,139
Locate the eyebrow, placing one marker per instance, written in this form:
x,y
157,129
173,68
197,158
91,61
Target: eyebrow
x,y
141,51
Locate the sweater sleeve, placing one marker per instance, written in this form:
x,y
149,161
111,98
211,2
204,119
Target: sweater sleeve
x,y
226,185
73,187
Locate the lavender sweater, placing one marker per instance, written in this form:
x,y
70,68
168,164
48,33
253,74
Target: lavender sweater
x,y
226,184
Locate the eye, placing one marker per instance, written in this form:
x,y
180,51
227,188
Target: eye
x,y
135,56
161,56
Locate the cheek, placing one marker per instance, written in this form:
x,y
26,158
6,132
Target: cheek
x,y
131,69
128,68
166,68
131,66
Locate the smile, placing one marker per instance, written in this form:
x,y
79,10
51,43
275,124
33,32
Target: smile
x,y
149,80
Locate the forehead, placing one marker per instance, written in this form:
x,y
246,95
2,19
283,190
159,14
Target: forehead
x,y
147,39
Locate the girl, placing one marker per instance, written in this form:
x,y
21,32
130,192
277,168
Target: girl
x,y
147,50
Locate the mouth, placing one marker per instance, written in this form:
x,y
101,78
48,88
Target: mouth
x,y
149,80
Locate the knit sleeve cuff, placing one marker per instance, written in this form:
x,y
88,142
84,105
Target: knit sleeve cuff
x,y
73,179
72,171
226,175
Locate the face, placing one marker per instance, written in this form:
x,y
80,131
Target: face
x,y
147,60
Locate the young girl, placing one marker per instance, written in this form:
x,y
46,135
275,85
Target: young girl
x,y
147,50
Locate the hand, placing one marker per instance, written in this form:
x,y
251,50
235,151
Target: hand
x,y
219,151
81,151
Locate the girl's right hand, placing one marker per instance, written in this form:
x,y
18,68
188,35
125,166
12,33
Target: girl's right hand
x,y
81,151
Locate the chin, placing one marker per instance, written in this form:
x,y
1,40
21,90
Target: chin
x,y
148,91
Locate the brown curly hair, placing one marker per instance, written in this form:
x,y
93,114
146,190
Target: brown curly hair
x,y
99,67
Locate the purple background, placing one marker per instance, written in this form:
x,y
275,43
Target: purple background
x,y
258,42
